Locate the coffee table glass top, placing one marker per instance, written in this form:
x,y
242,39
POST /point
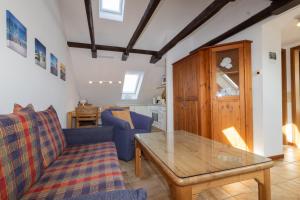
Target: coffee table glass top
x,y
188,155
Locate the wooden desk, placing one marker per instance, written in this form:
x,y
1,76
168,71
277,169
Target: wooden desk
x,y
71,116
71,119
192,164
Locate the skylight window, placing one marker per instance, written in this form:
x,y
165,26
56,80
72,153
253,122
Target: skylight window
x,y
132,85
112,9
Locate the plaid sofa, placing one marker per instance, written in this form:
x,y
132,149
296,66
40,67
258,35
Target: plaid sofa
x,y
39,160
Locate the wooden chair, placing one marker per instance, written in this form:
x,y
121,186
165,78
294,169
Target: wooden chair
x,y
87,117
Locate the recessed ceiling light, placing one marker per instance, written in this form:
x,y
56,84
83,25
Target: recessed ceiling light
x,y
120,82
110,82
298,24
100,82
90,82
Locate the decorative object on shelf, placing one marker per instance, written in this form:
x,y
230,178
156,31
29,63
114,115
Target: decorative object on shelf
x,y
226,63
53,66
16,34
40,54
227,73
62,72
82,102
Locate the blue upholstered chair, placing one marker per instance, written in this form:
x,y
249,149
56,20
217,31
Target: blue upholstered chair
x,y
123,134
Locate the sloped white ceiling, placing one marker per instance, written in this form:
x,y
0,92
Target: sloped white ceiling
x,y
169,18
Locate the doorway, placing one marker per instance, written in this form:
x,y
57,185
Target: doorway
x,y
284,95
295,94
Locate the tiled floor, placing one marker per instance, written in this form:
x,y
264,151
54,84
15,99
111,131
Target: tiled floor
x,y
285,177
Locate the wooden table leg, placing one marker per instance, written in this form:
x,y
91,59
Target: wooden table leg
x,y
181,193
69,119
264,187
138,159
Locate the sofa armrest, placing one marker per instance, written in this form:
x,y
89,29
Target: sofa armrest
x,y
141,121
138,194
83,136
115,122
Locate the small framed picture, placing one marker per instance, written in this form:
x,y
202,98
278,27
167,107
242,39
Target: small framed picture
x,y
62,72
40,54
16,34
53,65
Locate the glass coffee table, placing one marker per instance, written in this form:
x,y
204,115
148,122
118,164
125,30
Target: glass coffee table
x,y
191,164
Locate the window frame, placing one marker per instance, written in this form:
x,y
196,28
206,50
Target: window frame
x,y
110,14
134,95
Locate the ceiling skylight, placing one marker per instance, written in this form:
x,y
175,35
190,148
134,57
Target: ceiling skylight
x,y
112,9
132,85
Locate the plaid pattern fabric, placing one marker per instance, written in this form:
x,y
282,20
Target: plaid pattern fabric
x,y
20,156
80,170
19,108
51,135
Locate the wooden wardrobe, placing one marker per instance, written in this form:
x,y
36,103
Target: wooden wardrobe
x,y
213,94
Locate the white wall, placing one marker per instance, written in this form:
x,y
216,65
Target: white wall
x,y
22,81
272,92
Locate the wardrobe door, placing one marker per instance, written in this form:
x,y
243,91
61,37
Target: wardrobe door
x,y
204,94
178,92
185,87
191,116
228,95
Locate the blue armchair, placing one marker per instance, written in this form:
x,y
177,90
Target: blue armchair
x,y
123,134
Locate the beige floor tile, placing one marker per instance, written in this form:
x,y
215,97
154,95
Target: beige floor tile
x,y
277,179
281,194
230,198
236,189
247,196
291,187
214,194
251,184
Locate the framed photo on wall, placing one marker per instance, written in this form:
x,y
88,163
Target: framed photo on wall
x,y
40,54
62,72
53,65
16,34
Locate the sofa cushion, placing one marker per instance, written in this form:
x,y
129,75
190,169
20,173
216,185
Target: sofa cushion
x,y
124,115
20,155
78,171
51,135
19,108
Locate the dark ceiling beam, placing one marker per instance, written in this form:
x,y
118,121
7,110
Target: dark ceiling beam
x,y
203,17
89,15
110,48
276,7
140,28
288,5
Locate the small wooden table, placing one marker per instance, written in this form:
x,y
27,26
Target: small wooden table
x,y
192,164
71,119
